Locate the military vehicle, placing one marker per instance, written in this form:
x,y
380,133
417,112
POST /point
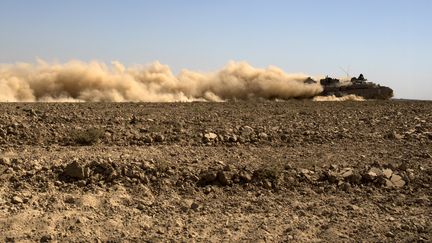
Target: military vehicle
x,y
356,86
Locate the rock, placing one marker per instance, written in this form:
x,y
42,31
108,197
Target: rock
x,y
345,187
247,131
373,174
410,174
46,238
159,138
77,171
208,177
70,200
422,200
147,199
141,207
133,120
228,167
346,172
263,135
267,184
308,174
220,162
223,178
207,190
178,223
189,204
387,173
397,181
388,183
394,135
233,138
194,206
245,176
17,200
147,139
353,207
331,177
161,230
5,161
355,178
209,137
349,175
81,183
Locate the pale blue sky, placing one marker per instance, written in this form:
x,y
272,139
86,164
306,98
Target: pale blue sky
x,y
390,41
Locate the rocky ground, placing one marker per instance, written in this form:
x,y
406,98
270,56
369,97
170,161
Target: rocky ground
x,y
194,172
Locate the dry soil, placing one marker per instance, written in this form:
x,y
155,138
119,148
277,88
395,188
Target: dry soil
x,y
210,172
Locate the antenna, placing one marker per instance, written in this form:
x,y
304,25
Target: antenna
x,y
347,72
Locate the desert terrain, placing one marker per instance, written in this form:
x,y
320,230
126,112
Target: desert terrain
x,y
292,171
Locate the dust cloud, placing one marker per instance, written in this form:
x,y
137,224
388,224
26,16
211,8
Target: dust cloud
x,y
97,81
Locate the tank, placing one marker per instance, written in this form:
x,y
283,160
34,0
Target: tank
x,y
356,86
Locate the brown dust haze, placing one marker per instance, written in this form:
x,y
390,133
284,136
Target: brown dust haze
x,y
97,81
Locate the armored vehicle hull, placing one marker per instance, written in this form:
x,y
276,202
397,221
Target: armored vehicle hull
x,y
367,91
356,86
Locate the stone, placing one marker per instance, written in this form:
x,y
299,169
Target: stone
x,y
81,183
77,171
220,162
210,136
245,176
194,206
223,178
208,177
346,172
17,200
233,138
387,173
345,187
187,204
147,139
306,172
178,223
373,174
247,131
159,138
410,174
397,181
207,190
263,135
353,207
46,238
388,183
228,167
141,207
267,184
331,177
70,200
355,178
394,135
5,161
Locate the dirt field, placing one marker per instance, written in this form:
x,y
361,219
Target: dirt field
x,y
210,172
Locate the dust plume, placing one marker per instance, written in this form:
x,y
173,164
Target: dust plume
x,y
350,97
97,81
